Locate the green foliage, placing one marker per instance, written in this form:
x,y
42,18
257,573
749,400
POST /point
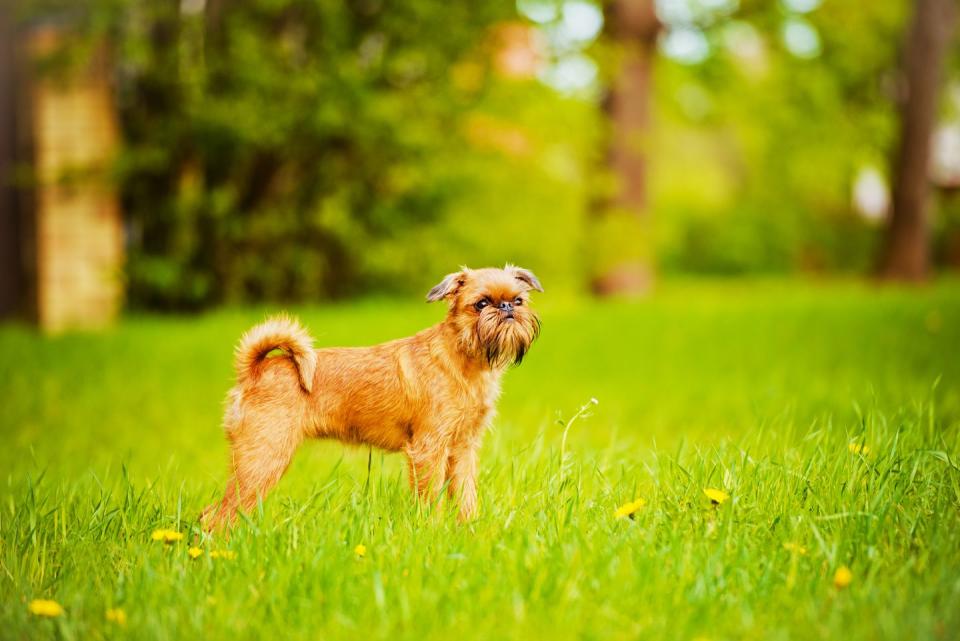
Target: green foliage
x,y
290,150
757,390
271,144
758,147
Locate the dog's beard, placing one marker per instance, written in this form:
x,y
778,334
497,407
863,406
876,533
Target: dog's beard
x,y
502,341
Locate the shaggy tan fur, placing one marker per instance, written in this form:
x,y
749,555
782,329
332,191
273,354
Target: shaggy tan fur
x,y
280,332
429,395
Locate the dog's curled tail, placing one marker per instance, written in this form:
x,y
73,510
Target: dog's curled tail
x,y
280,332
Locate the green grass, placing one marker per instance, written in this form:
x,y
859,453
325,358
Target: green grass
x,y
757,389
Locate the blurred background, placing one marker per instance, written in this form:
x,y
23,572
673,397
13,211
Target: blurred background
x,y
715,195
179,155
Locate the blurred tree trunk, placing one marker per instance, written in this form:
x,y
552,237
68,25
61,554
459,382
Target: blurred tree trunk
x,y
12,289
906,253
632,28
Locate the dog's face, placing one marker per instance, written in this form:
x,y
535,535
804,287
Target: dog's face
x,y
490,311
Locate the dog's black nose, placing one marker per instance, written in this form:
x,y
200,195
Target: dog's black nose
x,y
505,306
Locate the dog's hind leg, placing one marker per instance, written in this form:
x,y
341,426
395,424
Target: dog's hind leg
x,y
262,445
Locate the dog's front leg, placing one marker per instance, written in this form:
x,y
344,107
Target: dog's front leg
x,y
427,458
462,476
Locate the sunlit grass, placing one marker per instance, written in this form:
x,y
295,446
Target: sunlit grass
x,y
789,458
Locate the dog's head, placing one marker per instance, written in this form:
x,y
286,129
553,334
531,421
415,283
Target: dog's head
x,y
490,312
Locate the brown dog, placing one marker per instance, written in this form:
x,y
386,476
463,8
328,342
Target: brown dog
x,y
430,395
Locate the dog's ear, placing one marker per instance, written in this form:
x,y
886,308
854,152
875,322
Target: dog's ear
x,y
525,276
448,286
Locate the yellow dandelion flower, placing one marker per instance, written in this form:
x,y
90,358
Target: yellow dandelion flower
x,y
858,448
842,577
716,496
796,548
229,555
360,550
167,536
629,509
45,608
117,615
195,553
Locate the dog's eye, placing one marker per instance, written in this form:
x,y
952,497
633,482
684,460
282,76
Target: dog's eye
x,y
480,304
517,301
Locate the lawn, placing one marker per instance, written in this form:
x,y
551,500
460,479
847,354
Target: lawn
x,y
828,414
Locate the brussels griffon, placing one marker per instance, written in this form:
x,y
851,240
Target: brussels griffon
x,y
429,395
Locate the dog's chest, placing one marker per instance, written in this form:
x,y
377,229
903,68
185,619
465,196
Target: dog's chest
x,y
481,398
